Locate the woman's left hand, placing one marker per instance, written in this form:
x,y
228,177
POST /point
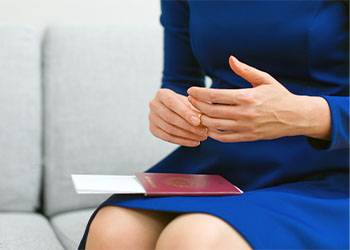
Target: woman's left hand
x,y
266,111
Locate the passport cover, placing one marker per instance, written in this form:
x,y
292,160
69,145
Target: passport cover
x,y
164,184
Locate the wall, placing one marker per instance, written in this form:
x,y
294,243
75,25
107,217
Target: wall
x,y
43,12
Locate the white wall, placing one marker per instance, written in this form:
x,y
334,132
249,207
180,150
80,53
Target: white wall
x,y
43,12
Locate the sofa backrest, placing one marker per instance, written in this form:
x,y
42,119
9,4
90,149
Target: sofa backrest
x,y
20,118
98,83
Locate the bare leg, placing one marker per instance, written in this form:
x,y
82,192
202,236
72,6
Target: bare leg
x,y
197,231
123,228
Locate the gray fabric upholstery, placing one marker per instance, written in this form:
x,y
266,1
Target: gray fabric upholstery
x,y
98,82
26,231
70,227
20,118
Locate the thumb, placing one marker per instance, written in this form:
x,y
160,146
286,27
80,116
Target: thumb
x,y
254,76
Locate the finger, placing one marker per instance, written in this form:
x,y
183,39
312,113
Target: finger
x,y
158,132
254,76
173,130
230,136
223,96
214,123
215,110
170,100
173,118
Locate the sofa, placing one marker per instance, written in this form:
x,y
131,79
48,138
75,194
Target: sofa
x,y
73,100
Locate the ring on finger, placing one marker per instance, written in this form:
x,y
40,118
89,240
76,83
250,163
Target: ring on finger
x,y
200,116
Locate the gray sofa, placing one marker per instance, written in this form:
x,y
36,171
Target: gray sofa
x,y
72,101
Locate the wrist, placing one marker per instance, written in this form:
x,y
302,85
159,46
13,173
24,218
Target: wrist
x,y
317,117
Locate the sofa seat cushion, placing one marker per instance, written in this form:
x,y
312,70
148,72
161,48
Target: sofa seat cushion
x,y
70,227
27,231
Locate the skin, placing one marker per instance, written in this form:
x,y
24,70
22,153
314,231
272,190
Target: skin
x,y
265,111
124,228
172,118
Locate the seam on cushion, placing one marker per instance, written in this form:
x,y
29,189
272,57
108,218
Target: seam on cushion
x,y
61,234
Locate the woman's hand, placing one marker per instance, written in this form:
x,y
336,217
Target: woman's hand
x,y
173,119
266,111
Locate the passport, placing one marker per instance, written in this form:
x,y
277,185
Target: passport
x,y
155,184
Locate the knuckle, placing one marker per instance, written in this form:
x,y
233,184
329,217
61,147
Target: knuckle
x,y
246,69
227,112
242,97
151,104
211,110
188,114
224,139
221,137
250,115
212,96
248,98
169,129
216,123
160,92
163,91
170,102
168,118
247,127
266,75
167,137
152,129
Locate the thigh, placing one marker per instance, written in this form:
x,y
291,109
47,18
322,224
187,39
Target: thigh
x,y
123,228
200,231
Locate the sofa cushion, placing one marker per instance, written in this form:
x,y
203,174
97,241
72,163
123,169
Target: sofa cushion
x,y
98,82
26,231
70,227
20,118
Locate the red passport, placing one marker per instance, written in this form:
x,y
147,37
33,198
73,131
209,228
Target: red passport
x,y
164,184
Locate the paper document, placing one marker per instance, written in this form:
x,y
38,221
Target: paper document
x,y
107,184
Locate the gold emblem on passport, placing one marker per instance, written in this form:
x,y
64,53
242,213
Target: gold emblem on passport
x,y
182,182
149,179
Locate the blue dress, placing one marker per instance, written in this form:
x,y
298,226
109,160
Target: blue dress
x,y
296,188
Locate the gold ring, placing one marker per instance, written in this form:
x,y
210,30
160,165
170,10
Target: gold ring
x,y
199,116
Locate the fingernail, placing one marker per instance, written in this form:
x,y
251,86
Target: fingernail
x,y
204,137
195,143
195,120
234,59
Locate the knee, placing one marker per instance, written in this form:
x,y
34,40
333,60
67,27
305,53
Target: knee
x,y
118,228
106,230
200,231
124,228
185,232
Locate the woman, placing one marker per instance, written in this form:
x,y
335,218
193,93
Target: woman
x,y
278,129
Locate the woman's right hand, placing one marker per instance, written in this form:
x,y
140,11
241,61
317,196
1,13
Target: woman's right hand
x,y
173,118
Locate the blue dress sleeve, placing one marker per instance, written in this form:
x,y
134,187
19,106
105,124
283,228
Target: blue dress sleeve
x,y
181,69
339,107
